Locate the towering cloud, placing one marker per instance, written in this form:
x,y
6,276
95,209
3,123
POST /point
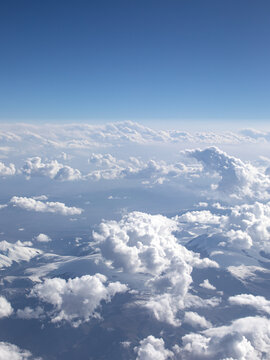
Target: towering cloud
x,y
143,243
237,179
152,348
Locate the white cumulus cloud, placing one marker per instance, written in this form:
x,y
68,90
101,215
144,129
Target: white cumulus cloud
x,y
7,170
206,284
236,178
143,243
152,348
12,352
31,204
53,169
43,238
195,320
5,307
244,339
77,300
29,313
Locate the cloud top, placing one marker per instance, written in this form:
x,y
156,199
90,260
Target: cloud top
x,y
77,300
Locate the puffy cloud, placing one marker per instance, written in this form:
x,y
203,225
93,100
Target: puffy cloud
x,y
202,204
7,170
152,348
54,170
143,243
152,171
43,238
195,320
29,313
77,300
31,204
202,217
5,307
35,167
13,352
106,160
237,179
206,284
258,302
146,250
245,339
165,307
105,174
149,172
157,171
195,223
239,239
17,252
246,226
67,173
136,243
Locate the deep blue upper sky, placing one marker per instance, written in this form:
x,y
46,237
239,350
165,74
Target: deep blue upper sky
x,y
134,59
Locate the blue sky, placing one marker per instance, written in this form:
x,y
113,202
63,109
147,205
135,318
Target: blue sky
x,y
139,60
